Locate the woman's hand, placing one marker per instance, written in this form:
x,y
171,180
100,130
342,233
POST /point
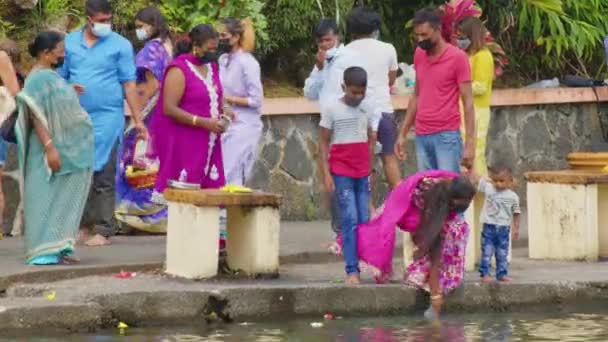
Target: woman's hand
x,y
53,159
214,125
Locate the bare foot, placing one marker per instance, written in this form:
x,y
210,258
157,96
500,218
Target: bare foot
x,y
487,279
84,235
97,241
70,260
353,280
505,280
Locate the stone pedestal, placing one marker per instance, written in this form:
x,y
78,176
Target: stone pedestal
x,y
567,215
253,240
193,233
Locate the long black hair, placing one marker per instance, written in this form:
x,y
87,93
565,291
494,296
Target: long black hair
x,y
152,16
45,41
198,36
437,206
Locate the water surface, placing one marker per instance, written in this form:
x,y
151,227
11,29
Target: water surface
x,y
558,326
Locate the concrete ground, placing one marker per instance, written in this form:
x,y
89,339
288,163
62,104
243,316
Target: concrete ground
x,y
87,296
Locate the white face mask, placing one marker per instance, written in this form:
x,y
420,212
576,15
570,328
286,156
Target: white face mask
x,y
101,30
141,33
331,53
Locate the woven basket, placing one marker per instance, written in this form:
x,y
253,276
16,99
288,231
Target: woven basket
x,y
140,179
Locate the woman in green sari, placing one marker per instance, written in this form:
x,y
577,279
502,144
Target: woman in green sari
x,y
56,154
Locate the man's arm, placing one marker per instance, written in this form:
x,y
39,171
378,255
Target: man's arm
x,y
324,141
8,75
410,118
133,100
313,84
466,93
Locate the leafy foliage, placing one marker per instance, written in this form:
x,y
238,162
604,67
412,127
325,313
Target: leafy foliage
x,y
183,15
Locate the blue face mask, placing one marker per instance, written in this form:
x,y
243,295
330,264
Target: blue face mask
x,y
101,30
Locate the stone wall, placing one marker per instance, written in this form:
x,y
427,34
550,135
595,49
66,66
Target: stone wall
x,y
526,137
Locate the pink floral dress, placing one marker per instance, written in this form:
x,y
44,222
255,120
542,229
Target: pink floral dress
x,y
455,235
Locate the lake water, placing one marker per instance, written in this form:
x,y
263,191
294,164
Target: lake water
x,y
558,326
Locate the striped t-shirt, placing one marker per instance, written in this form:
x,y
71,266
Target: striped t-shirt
x,y
499,206
349,152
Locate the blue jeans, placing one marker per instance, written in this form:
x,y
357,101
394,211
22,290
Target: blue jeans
x,y
439,151
3,151
495,241
353,196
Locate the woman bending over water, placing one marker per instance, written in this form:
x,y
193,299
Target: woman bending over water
x,y
429,205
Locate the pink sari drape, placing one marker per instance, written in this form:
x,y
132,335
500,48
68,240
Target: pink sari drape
x,y
376,239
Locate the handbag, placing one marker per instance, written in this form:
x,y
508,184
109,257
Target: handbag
x,y
7,129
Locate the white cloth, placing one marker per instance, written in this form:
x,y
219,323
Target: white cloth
x,y
379,58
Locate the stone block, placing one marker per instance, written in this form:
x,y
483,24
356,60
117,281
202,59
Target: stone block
x,y
296,162
271,154
296,195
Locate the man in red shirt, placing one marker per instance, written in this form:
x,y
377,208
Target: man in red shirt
x,y
443,77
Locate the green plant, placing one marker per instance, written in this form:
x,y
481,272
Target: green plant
x,y
182,15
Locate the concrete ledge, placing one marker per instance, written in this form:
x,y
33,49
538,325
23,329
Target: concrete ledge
x,y
151,307
500,98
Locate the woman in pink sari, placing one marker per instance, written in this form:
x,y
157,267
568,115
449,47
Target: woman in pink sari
x,y
186,125
429,205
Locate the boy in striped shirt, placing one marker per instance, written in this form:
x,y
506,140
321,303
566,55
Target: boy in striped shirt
x,y
347,138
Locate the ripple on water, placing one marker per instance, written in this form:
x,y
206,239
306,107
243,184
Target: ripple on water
x,y
550,326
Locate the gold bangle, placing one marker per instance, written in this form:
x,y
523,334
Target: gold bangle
x,y
46,144
194,117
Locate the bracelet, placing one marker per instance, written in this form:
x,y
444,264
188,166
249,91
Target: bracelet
x,y
436,297
194,117
46,144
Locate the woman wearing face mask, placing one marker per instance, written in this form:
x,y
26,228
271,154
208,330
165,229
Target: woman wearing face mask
x,y
135,208
240,73
428,205
56,155
186,125
471,38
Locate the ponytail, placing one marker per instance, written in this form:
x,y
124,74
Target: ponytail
x,y
247,41
244,28
183,45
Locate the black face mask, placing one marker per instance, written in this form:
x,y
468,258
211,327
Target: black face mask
x,y
352,102
426,44
224,46
59,63
209,57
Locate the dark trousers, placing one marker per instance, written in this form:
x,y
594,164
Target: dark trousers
x,y
99,210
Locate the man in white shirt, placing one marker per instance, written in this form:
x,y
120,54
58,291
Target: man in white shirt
x,y
329,46
379,59
315,89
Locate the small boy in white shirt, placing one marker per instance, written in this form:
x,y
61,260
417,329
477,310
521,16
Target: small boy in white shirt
x,y
347,138
500,217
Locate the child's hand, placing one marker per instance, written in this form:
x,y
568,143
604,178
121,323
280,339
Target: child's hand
x,y
328,184
515,234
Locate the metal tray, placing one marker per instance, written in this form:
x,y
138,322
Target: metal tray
x,y
182,185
